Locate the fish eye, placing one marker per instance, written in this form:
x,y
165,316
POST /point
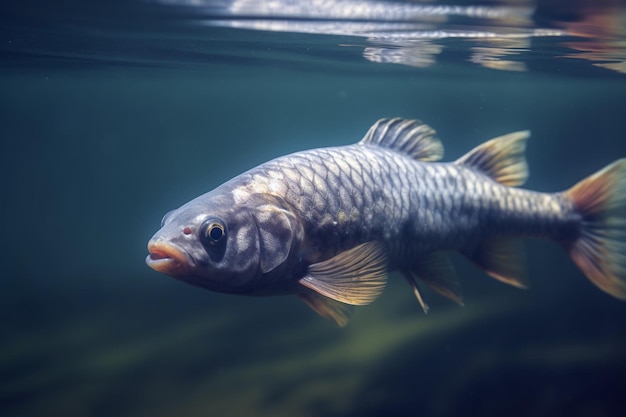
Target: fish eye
x,y
213,232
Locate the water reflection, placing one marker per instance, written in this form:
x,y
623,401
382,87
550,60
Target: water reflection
x,y
416,53
601,38
501,54
498,37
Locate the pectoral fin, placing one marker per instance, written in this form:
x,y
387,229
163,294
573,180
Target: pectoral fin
x,y
333,310
502,259
356,276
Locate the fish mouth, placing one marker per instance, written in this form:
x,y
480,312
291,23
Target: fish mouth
x,y
168,259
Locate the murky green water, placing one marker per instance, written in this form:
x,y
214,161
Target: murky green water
x,y
110,116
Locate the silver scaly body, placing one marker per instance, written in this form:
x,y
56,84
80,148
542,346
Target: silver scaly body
x,y
354,194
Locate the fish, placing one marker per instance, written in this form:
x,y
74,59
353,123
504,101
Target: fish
x,y
330,224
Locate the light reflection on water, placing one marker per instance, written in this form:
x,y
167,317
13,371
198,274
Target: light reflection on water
x,y
497,37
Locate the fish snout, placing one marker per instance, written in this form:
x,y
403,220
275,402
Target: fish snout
x,y
167,258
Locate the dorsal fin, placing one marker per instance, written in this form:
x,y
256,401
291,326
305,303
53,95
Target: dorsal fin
x,y
411,137
501,158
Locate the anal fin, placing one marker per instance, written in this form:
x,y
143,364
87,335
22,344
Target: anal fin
x,y
502,259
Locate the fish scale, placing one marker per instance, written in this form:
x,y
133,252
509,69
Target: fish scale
x,y
441,202
329,224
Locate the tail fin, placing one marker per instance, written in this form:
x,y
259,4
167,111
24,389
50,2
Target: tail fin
x,y
600,250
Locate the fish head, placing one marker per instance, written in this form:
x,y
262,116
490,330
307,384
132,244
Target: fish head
x,y
217,244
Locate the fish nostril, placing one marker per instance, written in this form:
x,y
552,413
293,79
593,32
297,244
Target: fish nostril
x,y
187,230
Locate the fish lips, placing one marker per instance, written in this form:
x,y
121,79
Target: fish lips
x,y
169,259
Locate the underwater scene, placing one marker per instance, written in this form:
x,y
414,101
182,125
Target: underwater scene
x,y
113,113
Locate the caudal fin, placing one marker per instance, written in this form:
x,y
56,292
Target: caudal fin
x,y
600,250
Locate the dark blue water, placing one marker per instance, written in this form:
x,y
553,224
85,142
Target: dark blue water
x,y
113,113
